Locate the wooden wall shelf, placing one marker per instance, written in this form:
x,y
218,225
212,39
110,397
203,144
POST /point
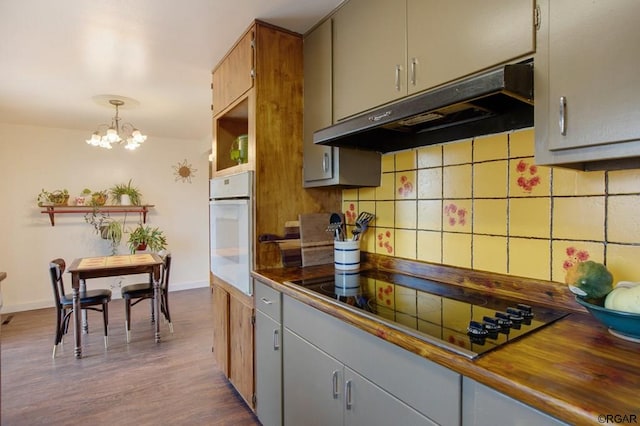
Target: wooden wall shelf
x,y
54,210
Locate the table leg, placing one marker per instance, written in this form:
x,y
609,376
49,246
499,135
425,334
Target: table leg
x,y
156,304
76,322
85,323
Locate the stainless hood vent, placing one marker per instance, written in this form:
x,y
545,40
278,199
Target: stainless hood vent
x,y
493,102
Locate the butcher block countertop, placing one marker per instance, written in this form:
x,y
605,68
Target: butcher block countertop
x,y
572,369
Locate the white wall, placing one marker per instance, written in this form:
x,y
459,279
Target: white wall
x,y
33,158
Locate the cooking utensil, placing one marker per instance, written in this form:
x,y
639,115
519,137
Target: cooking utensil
x,y
335,226
362,223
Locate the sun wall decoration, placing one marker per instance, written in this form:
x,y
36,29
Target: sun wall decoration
x,y
184,171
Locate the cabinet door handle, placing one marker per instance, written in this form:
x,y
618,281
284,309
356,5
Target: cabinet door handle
x,y
347,394
334,382
562,120
414,61
325,162
266,301
276,340
398,78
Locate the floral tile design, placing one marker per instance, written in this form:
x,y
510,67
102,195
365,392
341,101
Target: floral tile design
x,y
405,187
455,215
351,214
528,177
384,242
574,256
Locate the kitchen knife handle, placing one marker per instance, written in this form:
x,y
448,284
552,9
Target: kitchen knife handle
x,y
336,388
276,340
398,78
562,121
347,394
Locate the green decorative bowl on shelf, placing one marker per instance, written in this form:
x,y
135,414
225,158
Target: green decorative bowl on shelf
x,y
625,325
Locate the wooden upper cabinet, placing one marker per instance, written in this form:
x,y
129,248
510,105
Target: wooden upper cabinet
x,y
388,49
234,75
452,39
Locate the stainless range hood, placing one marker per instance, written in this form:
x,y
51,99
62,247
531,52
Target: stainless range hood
x,y
492,102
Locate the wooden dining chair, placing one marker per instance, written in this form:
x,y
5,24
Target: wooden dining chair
x,y
96,300
136,293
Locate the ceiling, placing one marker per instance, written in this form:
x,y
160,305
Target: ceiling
x,y
60,61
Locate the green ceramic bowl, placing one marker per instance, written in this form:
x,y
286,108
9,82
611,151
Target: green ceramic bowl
x,y
625,325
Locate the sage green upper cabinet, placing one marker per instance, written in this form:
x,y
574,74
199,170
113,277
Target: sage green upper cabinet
x,y
369,55
452,39
586,84
387,49
325,166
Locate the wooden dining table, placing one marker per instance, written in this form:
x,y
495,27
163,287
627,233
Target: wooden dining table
x,y
110,266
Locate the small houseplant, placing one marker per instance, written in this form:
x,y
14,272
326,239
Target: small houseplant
x,y
120,193
106,227
44,198
145,237
84,197
112,231
59,197
99,198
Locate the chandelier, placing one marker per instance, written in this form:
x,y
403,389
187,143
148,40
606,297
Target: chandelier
x,y
121,134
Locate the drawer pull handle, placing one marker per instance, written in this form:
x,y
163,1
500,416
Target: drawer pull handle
x,y
347,392
336,388
276,340
266,301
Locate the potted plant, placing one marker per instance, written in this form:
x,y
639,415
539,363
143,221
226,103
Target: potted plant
x,y
99,198
112,231
84,197
145,237
44,198
125,194
106,227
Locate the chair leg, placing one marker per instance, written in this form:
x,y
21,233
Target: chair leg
x,y
127,316
165,310
105,318
60,323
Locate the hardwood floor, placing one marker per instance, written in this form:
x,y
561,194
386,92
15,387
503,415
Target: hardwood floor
x,y
175,382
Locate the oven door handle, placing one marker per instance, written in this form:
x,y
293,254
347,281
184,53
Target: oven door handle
x,y
229,202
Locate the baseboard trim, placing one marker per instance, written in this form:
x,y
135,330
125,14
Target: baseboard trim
x,y
42,304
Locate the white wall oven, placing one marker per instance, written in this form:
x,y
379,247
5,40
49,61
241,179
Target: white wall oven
x,y
230,224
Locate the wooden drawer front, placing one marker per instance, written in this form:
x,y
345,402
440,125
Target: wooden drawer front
x,y
427,387
268,300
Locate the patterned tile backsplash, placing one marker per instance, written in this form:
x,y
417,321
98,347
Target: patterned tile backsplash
x,y
484,204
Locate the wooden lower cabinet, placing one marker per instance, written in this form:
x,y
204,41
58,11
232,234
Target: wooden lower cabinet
x,y
233,338
221,328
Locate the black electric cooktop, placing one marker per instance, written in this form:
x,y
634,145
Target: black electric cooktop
x,y
463,320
